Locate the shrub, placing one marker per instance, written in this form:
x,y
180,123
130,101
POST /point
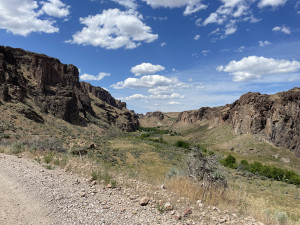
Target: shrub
x,y
17,148
174,172
244,165
182,144
206,169
281,217
229,161
265,171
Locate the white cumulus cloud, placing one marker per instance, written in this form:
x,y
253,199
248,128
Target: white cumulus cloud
x,y
272,3
114,29
253,67
282,29
191,6
155,97
136,96
148,81
22,17
146,68
130,4
55,8
100,76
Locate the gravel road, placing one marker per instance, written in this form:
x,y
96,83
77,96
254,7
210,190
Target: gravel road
x,y
31,194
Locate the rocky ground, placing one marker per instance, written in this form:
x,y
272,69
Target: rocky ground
x,y
32,194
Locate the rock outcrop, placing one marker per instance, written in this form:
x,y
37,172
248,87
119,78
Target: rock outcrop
x,y
45,83
157,114
103,95
274,117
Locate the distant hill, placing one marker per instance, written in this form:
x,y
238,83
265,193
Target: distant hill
x,y
276,118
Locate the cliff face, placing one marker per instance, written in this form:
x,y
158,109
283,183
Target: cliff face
x,y
274,117
103,95
51,86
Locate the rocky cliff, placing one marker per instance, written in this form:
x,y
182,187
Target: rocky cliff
x,y
45,83
274,117
103,95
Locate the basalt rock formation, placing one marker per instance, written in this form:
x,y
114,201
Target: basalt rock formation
x,y
157,114
275,117
103,95
42,82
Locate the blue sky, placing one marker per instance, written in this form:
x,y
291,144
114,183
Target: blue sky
x,y
168,55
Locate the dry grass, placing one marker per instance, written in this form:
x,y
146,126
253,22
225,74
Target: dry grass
x,y
190,189
240,199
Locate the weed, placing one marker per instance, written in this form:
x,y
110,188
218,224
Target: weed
x,y
96,175
49,157
64,161
38,159
113,183
174,172
106,178
17,148
160,208
48,167
56,162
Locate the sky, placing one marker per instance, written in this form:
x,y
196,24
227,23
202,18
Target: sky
x,y
166,55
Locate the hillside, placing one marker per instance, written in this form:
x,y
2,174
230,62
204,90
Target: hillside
x,y
275,118
37,90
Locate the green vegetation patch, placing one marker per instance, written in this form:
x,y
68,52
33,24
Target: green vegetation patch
x,y
271,172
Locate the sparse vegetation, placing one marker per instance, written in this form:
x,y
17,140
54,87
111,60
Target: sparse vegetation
x,y
160,208
49,157
104,177
17,148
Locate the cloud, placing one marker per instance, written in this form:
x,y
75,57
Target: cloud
x,y
198,22
197,37
232,12
148,81
146,68
191,6
253,67
282,29
92,77
22,17
173,103
163,44
160,18
161,90
136,96
114,29
264,43
205,52
55,8
272,3
240,49
130,4
155,97
230,28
